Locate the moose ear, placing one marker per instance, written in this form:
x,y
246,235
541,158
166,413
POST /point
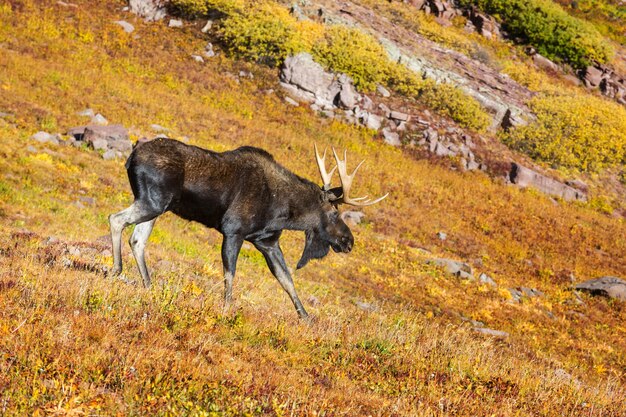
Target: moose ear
x,y
314,248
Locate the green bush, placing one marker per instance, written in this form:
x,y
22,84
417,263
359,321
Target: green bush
x,y
573,131
552,31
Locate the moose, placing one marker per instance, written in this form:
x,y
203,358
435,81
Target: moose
x,y
245,195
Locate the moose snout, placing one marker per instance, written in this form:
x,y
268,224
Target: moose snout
x,y
346,243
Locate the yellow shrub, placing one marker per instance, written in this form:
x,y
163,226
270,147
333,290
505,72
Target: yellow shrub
x,y
451,101
575,131
197,8
359,55
265,32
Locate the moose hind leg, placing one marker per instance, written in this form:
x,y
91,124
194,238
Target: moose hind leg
x,y
134,214
230,251
138,242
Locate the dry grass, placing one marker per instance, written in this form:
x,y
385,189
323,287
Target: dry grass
x,y
73,342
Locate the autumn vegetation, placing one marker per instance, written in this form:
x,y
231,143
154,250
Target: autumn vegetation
x,y
393,335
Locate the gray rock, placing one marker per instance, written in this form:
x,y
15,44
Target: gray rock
x,y
382,91
442,235
208,51
352,218
391,138
490,332
399,116
544,63
531,292
207,27
516,295
45,137
347,97
386,110
86,113
367,104
99,144
197,58
525,177
123,146
486,279
110,133
373,121
99,119
175,23
611,287
128,28
291,101
150,10
309,81
458,268
110,154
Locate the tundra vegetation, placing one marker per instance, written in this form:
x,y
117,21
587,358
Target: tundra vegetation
x,y
392,337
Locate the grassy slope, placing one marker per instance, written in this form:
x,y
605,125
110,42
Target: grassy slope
x,y
71,339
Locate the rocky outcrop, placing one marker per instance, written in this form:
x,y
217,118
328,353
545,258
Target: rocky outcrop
x,y
150,10
526,177
484,24
112,140
457,268
307,81
496,92
605,79
440,8
611,287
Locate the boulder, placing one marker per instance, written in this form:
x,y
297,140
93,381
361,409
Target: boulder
x,y
391,138
45,137
544,63
484,24
526,177
458,268
307,81
592,76
302,72
150,10
399,116
352,218
486,279
175,23
611,287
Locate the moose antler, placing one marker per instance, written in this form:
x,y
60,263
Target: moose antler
x,y
346,183
326,177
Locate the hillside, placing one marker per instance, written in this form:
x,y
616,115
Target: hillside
x,y
394,334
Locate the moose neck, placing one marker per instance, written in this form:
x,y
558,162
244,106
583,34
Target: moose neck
x,y
305,206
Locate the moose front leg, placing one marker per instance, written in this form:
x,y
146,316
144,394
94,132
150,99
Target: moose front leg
x,y
230,251
276,262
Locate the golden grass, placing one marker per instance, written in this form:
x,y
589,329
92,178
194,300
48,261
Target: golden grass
x,y
74,342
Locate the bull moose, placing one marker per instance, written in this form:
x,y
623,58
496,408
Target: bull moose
x,y
245,195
